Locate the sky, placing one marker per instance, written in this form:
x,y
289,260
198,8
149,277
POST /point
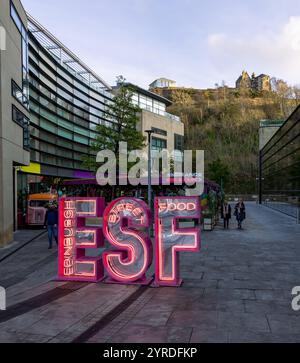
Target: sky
x,y
198,43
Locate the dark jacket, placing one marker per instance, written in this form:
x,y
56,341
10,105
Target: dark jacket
x,y
51,217
229,212
240,213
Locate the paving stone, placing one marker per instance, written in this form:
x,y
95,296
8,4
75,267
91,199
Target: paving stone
x,y
151,317
209,336
194,319
246,337
273,295
138,334
268,307
21,322
50,327
239,321
288,324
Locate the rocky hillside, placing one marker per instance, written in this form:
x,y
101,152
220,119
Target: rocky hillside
x,y
225,123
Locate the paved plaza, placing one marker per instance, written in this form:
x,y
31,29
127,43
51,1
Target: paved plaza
x,y
237,289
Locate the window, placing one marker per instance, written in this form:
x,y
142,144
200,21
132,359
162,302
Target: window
x,y
48,159
64,133
81,131
48,115
34,107
81,139
179,142
45,91
159,144
22,121
34,120
15,17
149,102
21,93
47,71
81,95
47,82
65,124
48,126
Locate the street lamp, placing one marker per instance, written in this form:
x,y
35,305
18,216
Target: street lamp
x,y
149,132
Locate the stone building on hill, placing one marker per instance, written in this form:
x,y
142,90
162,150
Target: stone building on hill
x,y
256,83
244,81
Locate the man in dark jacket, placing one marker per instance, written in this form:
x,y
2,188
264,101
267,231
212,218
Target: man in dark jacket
x,y
226,214
51,221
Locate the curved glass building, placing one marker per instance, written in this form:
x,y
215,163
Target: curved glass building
x,y
67,102
51,105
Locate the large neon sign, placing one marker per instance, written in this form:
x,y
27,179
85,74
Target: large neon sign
x,y
125,222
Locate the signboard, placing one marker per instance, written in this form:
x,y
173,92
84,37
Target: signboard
x,y
125,225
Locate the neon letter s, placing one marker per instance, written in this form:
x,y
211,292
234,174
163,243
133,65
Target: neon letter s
x,y
122,223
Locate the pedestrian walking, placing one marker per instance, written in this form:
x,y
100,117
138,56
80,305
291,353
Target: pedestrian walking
x,y
226,214
51,222
240,213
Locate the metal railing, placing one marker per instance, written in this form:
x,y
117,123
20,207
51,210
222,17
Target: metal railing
x,y
161,113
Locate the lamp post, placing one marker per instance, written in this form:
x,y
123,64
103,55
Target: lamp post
x,y
149,132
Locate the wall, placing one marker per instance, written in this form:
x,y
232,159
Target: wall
x,y
11,134
149,120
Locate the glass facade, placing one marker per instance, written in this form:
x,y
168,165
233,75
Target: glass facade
x,y
21,93
149,104
22,121
280,167
64,113
152,105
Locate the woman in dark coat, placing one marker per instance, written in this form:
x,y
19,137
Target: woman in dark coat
x,y
240,213
226,214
